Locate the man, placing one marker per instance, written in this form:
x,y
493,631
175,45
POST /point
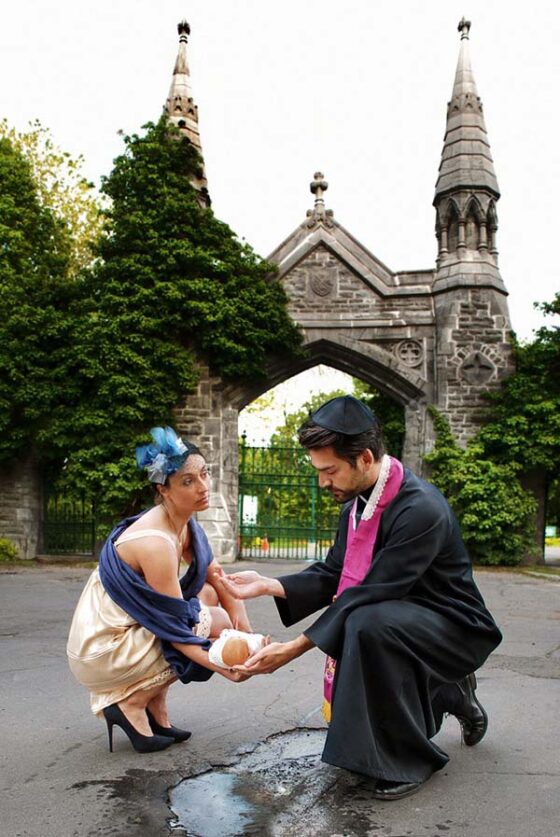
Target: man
x,y
404,625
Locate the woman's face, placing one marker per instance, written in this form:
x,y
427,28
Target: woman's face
x,y
188,489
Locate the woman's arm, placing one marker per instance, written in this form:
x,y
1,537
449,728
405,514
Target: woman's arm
x,y
200,656
158,564
233,606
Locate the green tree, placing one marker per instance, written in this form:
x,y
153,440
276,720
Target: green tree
x,y
172,288
35,292
495,513
389,413
60,187
296,498
524,417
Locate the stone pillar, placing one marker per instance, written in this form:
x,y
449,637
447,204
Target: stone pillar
x,y
211,423
20,507
415,442
483,243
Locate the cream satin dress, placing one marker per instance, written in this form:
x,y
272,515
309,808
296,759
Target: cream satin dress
x,y
110,653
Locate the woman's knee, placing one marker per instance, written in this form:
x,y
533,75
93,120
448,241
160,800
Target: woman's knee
x,y
219,621
208,596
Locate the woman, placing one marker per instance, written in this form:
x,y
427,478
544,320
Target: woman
x,y
137,626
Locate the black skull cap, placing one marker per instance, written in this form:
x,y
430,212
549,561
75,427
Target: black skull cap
x,y
344,414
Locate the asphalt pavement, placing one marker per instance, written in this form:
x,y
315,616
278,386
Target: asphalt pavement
x,y
256,745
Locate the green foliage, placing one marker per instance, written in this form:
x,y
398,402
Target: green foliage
x,y
283,480
8,552
171,287
61,188
553,503
35,291
524,417
389,413
286,433
495,513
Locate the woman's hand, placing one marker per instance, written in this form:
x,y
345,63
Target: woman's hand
x,y
250,585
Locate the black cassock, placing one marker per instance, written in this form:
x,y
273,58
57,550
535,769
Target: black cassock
x,y
416,623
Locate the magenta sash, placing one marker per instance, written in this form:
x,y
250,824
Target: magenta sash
x,y
360,544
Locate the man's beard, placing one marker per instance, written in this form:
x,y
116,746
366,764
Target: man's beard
x,y
342,497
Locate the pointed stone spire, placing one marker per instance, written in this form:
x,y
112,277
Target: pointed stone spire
x,y
466,161
466,188
181,109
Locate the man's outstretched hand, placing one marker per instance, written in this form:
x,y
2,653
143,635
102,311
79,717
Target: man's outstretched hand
x,y
250,585
275,655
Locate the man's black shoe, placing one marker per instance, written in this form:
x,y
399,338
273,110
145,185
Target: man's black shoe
x,y
395,790
469,712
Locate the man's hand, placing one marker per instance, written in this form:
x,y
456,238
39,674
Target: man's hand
x,y
234,676
275,655
250,585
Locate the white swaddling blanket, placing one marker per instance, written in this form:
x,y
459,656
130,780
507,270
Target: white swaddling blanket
x,y
254,641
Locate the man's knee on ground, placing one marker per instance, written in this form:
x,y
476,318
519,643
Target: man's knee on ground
x,y
377,622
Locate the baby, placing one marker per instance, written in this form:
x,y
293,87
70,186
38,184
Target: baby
x,y
233,648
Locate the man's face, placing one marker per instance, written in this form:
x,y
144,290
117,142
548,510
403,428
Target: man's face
x,y
338,476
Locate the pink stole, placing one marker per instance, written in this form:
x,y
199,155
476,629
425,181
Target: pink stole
x,y
360,544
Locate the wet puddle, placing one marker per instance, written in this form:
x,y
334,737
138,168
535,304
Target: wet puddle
x,y
280,789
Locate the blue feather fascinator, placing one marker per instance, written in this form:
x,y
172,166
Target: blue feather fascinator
x,y
165,456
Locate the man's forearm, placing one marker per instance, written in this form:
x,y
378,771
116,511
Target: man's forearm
x,y
300,645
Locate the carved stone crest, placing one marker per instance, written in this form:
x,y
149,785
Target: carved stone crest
x,y
322,281
477,369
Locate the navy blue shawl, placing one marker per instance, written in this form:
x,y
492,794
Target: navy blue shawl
x,y
170,619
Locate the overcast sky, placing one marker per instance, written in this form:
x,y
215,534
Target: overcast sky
x,y
357,90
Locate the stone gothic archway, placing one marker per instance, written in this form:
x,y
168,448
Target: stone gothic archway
x,y
414,342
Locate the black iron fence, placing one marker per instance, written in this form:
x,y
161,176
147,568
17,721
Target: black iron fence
x,y
282,511
68,526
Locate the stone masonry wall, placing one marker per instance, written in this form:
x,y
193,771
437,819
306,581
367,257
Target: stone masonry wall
x,y
473,354
322,286
20,509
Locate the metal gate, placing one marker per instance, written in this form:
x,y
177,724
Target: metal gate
x,y
282,511
68,525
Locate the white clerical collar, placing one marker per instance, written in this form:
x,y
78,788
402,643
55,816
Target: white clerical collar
x,y
375,496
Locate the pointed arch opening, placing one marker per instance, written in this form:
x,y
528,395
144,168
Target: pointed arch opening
x,y
281,511
452,227
473,223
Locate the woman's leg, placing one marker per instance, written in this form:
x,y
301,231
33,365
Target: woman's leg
x,y
219,621
235,608
134,707
234,611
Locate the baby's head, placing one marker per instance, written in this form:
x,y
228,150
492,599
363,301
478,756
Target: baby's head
x,y
235,651
233,648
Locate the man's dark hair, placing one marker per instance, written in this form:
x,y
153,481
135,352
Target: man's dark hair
x,y
347,447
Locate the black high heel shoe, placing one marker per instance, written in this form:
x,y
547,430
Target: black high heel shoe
x,y
175,733
141,743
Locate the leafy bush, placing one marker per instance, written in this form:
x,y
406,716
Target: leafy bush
x,y
496,514
8,552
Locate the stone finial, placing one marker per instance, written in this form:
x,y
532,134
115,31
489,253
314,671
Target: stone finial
x,y
318,187
319,214
464,27
184,30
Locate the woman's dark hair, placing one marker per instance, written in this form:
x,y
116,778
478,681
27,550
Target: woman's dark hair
x,y
312,436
